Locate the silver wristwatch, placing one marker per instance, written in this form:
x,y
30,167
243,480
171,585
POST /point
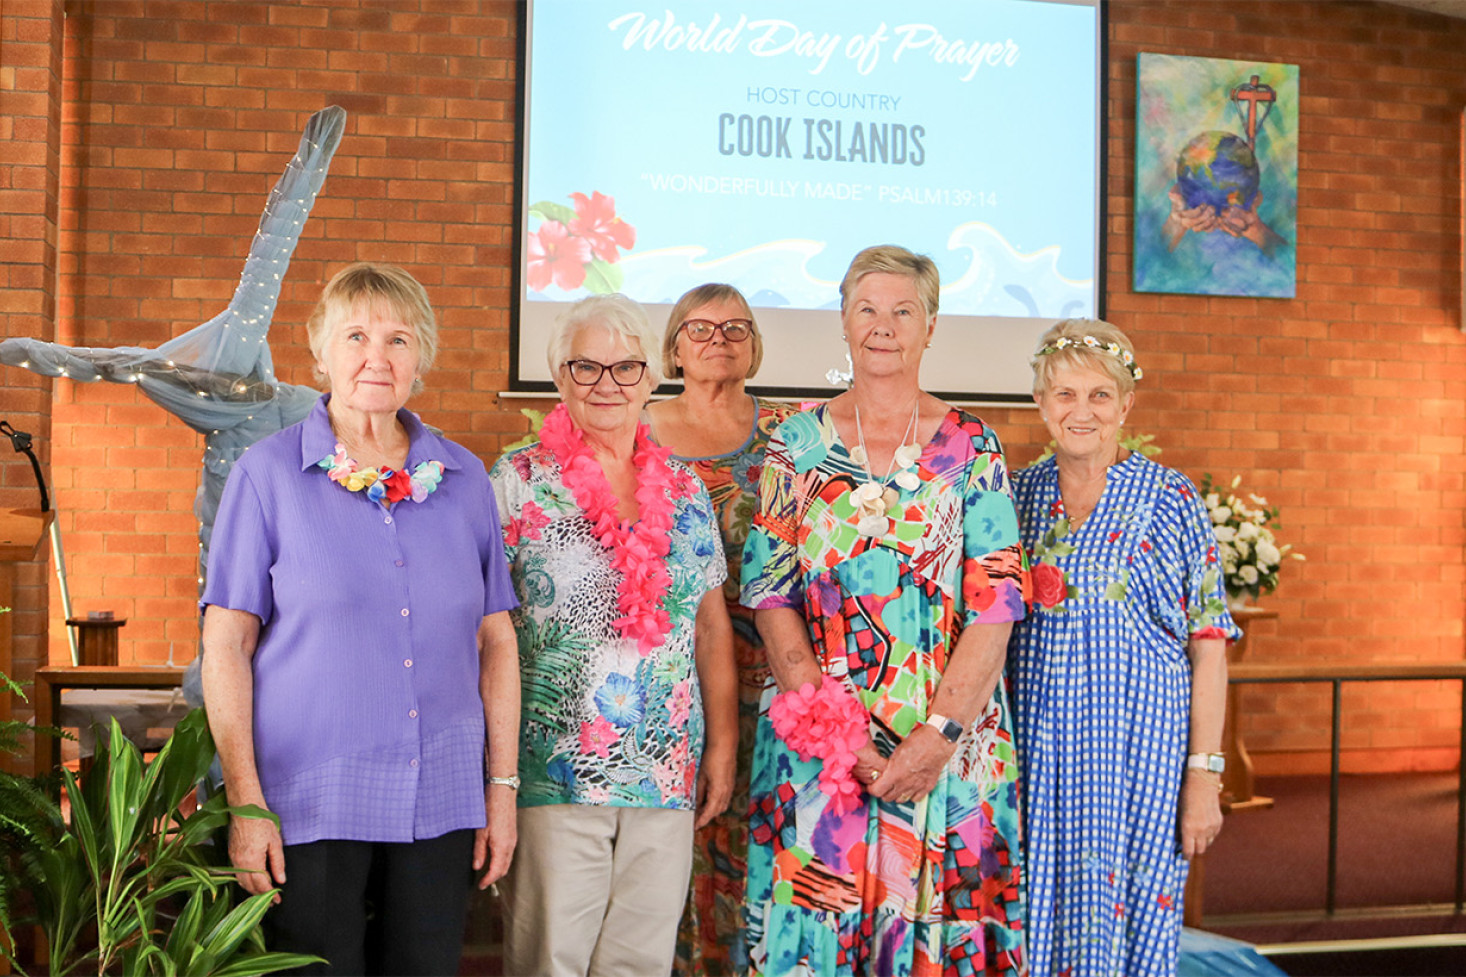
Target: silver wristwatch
x,y
1213,762
950,729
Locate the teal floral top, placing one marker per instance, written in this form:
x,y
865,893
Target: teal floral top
x,y
601,723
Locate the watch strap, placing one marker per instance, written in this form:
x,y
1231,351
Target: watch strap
x,y
1212,762
950,729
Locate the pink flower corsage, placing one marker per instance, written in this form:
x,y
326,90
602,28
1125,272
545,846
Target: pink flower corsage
x,y
829,723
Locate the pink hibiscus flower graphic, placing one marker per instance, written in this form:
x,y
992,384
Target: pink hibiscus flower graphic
x,y
531,520
556,255
598,736
596,221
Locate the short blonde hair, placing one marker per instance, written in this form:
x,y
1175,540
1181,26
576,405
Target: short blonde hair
x,y
385,289
696,298
892,259
1051,355
615,312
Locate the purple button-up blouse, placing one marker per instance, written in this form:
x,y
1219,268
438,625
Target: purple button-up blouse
x,y
368,724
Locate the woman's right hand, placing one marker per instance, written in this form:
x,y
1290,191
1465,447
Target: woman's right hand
x,y
256,848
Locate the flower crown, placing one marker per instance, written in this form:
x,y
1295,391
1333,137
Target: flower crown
x,y
1110,349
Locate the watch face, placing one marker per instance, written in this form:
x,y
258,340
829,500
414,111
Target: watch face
x,y
952,730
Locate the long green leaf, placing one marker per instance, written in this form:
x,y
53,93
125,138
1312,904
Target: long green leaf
x,y
192,751
83,825
236,927
154,810
63,897
265,963
196,956
124,799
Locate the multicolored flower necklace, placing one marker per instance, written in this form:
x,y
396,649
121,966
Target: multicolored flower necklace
x,y
382,485
638,550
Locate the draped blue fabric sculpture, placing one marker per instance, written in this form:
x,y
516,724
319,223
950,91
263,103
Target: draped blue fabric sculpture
x,y
218,377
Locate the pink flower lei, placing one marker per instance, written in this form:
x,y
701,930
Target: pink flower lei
x,y
638,550
829,723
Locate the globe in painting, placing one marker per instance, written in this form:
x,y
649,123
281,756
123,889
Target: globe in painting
x,y
1217,169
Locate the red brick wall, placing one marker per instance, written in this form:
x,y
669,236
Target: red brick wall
x,y
30,138
1343,406
180,117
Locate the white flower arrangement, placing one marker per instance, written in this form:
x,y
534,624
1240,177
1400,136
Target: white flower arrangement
x,y
1249,553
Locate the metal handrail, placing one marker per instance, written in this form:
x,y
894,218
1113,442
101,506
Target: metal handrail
x,y
1336,675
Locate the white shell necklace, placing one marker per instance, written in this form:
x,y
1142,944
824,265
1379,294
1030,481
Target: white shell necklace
x,y
874,498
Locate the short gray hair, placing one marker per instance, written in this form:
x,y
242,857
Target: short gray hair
x,y
381,288
615,312
892,259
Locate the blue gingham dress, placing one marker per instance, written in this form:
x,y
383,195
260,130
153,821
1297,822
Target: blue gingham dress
x,y
1102,687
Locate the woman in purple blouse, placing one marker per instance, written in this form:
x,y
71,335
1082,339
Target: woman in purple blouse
x,y
357,647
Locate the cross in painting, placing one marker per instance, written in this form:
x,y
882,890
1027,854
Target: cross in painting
x,y
1254,93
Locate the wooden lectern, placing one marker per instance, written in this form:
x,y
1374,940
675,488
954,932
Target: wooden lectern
x,y
21,534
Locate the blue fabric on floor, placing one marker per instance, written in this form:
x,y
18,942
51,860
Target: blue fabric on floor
x,y
1208,955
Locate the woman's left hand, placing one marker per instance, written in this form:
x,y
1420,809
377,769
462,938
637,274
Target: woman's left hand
x,y
495,843
1201,813
714,783
914,767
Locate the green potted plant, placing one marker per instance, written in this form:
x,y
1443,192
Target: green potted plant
x,y
129,884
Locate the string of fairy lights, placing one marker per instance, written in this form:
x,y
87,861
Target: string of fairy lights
x,y
174,381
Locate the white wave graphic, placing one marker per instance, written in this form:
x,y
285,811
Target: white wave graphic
x,y
1003,281
998,280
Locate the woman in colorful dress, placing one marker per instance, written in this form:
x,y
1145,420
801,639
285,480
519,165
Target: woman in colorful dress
x,y
885,571
625,655
1119,673
357,647
712,342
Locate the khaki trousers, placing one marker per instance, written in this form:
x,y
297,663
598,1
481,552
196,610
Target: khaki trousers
x,y
596,891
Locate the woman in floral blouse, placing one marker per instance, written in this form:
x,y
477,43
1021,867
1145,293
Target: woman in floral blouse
x,y
1118,672
625,659
719,430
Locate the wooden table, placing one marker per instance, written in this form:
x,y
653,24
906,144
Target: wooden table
x,y
1238,779
51,680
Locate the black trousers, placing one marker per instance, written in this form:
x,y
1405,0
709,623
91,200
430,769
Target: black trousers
x,y
375,908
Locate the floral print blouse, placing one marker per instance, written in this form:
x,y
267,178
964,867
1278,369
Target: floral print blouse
x,y
601,723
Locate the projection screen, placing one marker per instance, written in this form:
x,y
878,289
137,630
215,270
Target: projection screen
x,y
764,143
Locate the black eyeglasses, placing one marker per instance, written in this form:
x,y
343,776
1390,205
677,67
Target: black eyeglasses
x,y
588,373
733,330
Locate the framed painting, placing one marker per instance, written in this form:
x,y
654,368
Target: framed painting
x,y
1216,177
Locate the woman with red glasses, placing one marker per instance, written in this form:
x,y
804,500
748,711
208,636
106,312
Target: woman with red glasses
x,y
717,428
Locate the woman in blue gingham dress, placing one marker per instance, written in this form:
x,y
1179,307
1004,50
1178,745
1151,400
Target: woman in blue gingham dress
x,y
1118,673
